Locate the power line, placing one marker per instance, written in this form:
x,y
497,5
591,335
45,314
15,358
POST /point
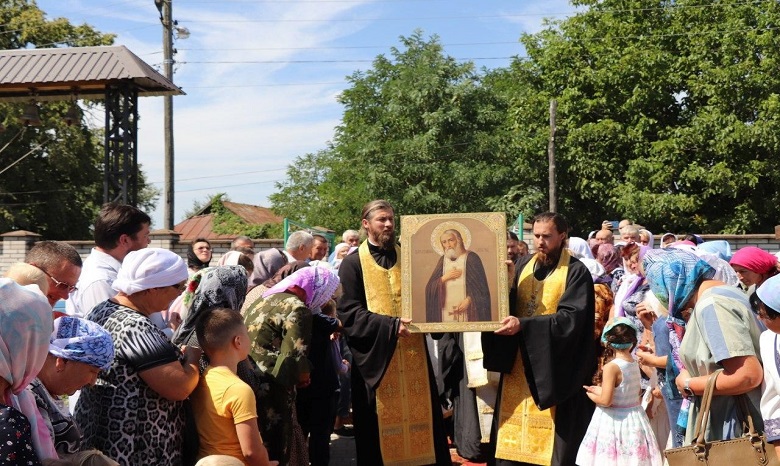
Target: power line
x,y
290,62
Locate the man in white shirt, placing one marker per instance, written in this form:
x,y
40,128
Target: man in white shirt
x,y
119,229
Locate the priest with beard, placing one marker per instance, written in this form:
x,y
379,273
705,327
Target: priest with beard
x,y
395,405
545,354
457,290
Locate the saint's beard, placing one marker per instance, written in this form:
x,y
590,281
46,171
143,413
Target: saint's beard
x,y
552,258
453,253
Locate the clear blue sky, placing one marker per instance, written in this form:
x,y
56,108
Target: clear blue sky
x,y
262,77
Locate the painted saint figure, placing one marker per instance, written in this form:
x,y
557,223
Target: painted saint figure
x,y
457,290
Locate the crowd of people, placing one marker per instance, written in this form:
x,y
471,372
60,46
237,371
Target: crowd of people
x,y
257,360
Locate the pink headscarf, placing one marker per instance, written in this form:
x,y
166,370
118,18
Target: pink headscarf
x,y
319,283
754,259
608,256
25,327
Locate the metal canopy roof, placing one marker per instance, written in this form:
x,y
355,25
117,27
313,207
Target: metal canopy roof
x,y
56,73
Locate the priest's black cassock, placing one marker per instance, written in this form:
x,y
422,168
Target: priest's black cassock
x,y
372,340
557,354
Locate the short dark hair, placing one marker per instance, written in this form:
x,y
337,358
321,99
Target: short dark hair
x,y
49,255
320,238
512,235
756,305
115,220
217,327
561,225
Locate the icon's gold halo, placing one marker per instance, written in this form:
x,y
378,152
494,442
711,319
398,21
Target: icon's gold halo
x,y
442,227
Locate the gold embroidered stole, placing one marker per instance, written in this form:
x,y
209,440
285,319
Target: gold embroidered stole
x,y
526,434
403,398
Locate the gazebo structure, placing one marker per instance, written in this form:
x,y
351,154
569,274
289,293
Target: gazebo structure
x,y
111,73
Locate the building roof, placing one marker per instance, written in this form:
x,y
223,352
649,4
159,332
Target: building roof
x,y
200,225
55,73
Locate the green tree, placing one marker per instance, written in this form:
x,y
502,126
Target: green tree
x,y
667,112
419,130
53,178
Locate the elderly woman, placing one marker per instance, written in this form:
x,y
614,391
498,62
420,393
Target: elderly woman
x,y
78,350
135,411
280,327
256,293
25,326
753,265
710,327
633,286
199,255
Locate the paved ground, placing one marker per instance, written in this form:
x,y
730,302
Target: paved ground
x,y
342,453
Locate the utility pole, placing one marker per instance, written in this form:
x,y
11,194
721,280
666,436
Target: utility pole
x,y
166,17
551,157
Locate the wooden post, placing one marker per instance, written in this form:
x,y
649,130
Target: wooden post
x,y
551,156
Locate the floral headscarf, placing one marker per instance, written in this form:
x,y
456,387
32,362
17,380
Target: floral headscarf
x,y
214,287
25,328
82,340
673,275
319,284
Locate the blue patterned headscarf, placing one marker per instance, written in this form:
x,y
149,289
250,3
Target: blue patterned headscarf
x,y
673,275
82,340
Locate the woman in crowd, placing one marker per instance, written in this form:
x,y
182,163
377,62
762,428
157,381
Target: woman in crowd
x,y
646,238
25,326
199,255
633,286
339,252
256,293
210,288
710,327
753,266
135,411
280,327
79,349
609,257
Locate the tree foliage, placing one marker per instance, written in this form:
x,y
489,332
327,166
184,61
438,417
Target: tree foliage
x,y
418,130
56,189
668,113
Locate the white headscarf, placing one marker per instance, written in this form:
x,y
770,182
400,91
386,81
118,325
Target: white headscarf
x,y
150,268
579,248
229,258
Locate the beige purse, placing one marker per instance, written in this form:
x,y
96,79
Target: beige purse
x,y
750,449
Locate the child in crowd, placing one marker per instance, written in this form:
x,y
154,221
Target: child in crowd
x,y
224,406
619,432
768,310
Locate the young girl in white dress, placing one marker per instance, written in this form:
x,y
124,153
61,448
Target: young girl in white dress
x,y
619,432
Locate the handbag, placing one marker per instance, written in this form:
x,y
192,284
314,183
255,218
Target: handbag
x,y
751,448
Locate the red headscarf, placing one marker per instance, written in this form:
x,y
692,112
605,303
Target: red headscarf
x,y
754,259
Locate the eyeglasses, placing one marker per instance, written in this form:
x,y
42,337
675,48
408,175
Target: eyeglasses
x,y
58,284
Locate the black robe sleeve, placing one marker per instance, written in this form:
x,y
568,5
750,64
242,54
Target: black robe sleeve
x,y
557,349
371,337
434,294
477,288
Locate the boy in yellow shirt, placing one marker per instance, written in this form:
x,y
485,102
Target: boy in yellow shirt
x,y
224,406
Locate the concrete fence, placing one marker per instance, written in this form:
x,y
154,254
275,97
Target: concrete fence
x,y
14,245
